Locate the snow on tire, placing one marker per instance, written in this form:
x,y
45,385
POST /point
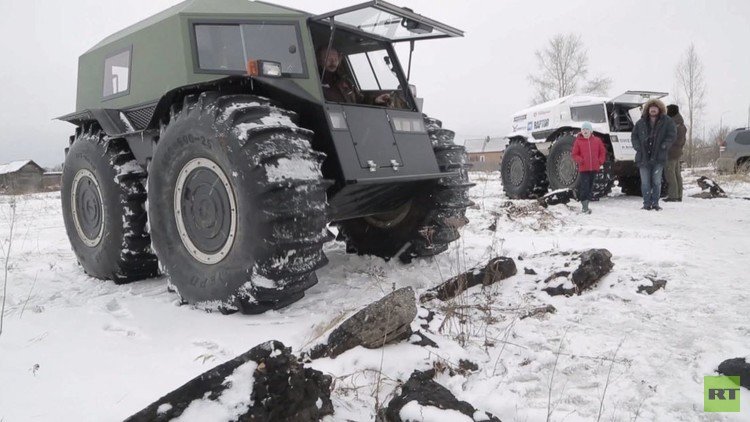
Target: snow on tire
x,y
238,203
103,197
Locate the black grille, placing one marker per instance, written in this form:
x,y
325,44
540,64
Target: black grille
x,y
140,117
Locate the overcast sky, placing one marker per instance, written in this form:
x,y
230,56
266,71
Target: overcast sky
x,y
474,84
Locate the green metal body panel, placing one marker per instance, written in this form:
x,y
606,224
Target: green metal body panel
x,y
162,56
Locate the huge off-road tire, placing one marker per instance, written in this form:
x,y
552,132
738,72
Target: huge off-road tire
x,y
103,197
523,171
630,186
562,171
238,203
430,221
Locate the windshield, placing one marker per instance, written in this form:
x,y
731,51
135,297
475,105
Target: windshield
x,y
592,113
226,48
372,71
358,69
383,24
391,22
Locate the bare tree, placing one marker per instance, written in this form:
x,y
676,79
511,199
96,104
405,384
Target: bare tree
x,y
692,83
599,85
563,67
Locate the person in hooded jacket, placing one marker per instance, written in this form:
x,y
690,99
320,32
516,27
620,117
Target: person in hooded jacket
x,y
672,172
652,136
590,154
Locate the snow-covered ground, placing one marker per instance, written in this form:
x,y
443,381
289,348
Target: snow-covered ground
x,y
79,349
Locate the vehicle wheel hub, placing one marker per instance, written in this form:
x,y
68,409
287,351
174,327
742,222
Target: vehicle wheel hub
x,y
205,211
87,206
390,219
516,171
567,171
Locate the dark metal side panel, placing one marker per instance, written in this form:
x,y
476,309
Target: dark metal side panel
x,y
370,136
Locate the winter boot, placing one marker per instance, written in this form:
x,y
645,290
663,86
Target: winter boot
x,y
586,209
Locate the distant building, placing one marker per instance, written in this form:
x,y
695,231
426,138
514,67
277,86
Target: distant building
x,y
485,154
26,176
51,181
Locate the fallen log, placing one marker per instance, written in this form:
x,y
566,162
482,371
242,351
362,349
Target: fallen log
x,y
382,322
497,269
421,398
262,384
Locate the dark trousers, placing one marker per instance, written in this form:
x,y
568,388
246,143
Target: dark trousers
x,y
651,183
674,179
586,185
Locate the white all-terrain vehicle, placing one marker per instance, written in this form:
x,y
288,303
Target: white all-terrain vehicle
x,y
538,156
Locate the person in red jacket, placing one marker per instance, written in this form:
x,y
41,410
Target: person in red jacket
x,y
589,153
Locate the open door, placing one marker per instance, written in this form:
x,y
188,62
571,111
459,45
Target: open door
x,y
390,22
638,97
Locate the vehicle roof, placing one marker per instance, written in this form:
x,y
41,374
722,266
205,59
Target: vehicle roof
x,y
219,7
733,134
570,99
14,166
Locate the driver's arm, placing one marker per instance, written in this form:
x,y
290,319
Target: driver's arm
x,y
382,99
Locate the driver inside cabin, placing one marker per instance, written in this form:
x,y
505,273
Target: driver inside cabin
x,y
337,86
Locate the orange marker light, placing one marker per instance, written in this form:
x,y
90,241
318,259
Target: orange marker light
x,y
253,68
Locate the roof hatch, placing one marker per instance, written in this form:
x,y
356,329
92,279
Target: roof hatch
x,y
638,97
391,22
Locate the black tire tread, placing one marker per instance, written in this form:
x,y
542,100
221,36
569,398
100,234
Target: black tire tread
x,y
436,215
536,172
136,259
295,211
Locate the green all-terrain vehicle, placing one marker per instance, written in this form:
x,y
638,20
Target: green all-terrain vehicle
x,y
206,146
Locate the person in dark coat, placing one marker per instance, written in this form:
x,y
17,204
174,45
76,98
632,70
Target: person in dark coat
x,y
672,171
652,136
337,87
589,153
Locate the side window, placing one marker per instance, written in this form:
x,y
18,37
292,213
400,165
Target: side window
x,y
220,47
228,47
116,74
592,113
277,43
743,137
372,71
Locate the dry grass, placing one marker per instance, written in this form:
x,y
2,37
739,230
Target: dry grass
x,y
530,215
6,252
320,329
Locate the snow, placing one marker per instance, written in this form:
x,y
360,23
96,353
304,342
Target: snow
x,y
276,118
294,168
231,108
164,408
77,348
414,412
231,403
129,167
